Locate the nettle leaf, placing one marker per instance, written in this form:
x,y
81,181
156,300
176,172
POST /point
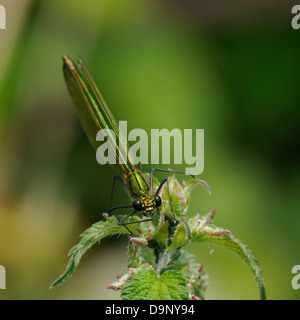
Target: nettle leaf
x,y
162,234
190,185
158,268
89,237
179,238
203,232
148,285
177,198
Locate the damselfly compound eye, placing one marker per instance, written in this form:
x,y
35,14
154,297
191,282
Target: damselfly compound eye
x,y
137,205
157,200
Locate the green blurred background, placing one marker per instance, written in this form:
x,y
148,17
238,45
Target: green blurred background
x,y
228,67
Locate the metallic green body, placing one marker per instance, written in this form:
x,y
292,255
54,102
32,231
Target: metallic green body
x,y
136,184
95,115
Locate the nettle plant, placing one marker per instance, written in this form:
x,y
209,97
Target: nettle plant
x,y
159,266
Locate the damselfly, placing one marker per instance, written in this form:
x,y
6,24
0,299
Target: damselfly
x,y
95,115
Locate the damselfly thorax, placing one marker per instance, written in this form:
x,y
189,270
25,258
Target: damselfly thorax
x,y
139,191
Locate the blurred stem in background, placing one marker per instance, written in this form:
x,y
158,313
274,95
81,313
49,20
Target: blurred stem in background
x,y
9,82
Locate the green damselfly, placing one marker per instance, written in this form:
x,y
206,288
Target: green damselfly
x,y
95,115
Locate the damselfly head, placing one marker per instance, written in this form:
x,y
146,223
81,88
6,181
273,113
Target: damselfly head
x,y
147,204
